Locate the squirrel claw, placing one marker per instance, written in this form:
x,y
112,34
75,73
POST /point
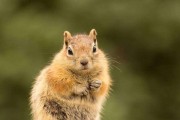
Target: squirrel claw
x,y
84,93
95,85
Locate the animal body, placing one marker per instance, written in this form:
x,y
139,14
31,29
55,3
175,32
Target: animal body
x,y
75,84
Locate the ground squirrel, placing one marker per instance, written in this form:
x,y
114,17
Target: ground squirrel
x,y
75,84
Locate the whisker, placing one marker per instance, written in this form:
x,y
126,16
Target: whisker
x,y
117,68
113,62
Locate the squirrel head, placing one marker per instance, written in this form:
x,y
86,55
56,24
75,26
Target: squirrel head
x,y
80,53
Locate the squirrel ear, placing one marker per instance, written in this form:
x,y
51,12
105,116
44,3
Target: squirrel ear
x,y
93,35
67,37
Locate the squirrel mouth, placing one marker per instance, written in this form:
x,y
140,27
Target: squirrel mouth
x,y
85,68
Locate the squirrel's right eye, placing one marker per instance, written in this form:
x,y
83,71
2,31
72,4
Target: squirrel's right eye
x,y
70,52
94,49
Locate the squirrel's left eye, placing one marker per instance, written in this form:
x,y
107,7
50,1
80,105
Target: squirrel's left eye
x,y
70,52
94,49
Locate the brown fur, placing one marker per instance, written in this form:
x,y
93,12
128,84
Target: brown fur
x,y
66,90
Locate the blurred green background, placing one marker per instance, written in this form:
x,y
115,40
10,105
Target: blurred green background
x,y
142,38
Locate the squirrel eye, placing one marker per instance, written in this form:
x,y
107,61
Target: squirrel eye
x,y
94,49
70,52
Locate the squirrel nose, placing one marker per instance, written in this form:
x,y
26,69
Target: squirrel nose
x,y
84,62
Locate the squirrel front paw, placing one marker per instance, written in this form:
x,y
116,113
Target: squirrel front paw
x,y
84,93
95,85
81,90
